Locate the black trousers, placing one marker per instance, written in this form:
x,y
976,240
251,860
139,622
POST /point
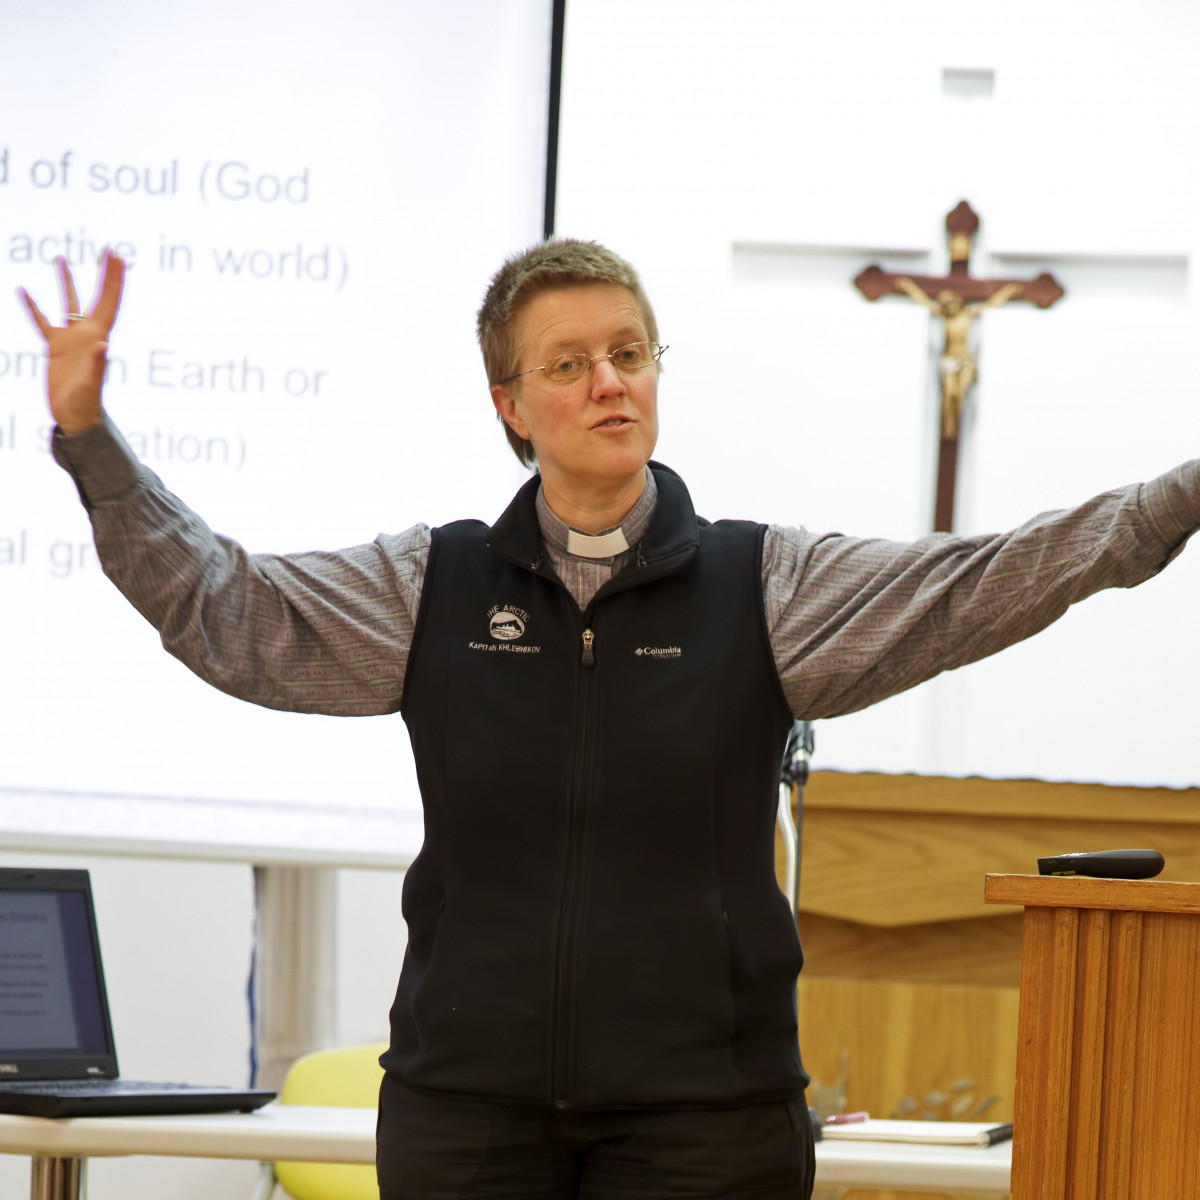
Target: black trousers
x,y
432,1148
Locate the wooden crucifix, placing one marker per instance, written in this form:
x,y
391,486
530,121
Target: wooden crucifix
x,y
957,299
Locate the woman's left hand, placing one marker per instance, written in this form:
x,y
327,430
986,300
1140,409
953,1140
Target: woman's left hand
x,y
77,353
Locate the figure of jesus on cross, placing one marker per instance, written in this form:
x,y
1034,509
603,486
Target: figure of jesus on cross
x,y
956,367
957,299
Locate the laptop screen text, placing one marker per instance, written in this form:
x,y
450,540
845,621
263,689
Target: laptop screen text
x,y
50,1001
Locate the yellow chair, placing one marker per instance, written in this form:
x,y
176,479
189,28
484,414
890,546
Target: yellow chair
x,y
347,1078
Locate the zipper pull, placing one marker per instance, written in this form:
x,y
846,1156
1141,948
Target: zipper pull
x,y
589,640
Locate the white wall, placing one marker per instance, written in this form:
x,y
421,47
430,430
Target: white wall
x,y
698,135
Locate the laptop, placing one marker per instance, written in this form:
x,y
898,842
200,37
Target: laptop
x,y
57,1057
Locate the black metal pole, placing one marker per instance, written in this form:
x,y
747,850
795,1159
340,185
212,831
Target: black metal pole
x,y
556,56
799,750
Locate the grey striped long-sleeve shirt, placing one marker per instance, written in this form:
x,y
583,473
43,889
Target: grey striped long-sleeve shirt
x,y
851,620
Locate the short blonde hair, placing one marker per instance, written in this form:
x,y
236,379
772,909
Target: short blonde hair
x,y
546,267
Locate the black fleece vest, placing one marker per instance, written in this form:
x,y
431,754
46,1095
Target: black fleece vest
x,y
593,920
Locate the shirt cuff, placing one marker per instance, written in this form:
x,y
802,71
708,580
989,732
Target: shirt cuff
x,y
1172,504
98,459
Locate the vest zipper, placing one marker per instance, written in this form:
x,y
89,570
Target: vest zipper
x,y
562,1068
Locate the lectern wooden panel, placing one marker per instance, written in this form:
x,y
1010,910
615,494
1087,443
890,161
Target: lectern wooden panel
x,y
1107,1102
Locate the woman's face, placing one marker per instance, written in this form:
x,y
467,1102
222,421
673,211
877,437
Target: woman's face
x,y
600,430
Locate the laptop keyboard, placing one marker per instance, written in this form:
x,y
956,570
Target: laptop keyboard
x,y
91,1087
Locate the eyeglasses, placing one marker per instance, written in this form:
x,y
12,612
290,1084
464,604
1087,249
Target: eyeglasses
x,y
567,368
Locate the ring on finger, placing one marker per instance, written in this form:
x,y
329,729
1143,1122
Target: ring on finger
x,y
76,317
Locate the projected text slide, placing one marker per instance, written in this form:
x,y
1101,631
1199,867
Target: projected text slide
x,y
308,230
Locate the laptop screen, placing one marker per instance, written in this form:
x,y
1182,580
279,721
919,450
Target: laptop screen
x,y
54,1021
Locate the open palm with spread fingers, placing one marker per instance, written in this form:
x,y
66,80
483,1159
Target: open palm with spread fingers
x,y
77,352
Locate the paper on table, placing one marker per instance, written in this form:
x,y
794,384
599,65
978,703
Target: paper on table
x,y
934,1133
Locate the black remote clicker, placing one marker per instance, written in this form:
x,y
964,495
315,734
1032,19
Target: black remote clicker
x,y
1105,864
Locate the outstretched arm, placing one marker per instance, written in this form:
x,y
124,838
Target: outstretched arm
x,y
909,288
853,621
326,632
1010,291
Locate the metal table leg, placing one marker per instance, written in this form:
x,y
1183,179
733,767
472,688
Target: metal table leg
x,y
53,1178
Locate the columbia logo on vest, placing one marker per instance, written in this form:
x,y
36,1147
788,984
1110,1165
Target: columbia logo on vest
x,y
658,652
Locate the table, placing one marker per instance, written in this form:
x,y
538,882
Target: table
x,y
900,1167
59,1148
347,1135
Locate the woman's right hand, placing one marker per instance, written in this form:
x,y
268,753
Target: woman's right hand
x,y
77,353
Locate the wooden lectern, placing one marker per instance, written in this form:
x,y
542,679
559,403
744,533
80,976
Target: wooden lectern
x,y
1108,1057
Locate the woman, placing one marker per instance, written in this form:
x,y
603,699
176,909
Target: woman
x,y
597,996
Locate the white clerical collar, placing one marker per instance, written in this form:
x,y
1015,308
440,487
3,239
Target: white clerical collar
x,y
596,545
577,543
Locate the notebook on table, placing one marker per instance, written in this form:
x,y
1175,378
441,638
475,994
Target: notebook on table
x,y
927,1133
57,1057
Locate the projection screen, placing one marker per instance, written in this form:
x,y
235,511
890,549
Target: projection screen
x,y
311,198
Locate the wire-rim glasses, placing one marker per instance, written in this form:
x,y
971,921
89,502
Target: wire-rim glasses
x,y
569,368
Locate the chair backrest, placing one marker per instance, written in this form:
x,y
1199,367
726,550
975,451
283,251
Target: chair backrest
x,y
346,1078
